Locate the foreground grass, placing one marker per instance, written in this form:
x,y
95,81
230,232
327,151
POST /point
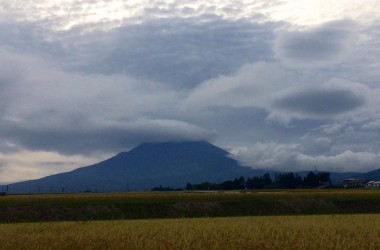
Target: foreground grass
x,y
269,232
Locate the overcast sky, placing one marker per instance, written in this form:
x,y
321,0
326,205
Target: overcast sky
x,y
283,84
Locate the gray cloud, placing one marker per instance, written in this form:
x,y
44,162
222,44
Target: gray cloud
x,y
177,71
332,100
89,139
51,110
30,38
320,101
317,46
182,52
285,94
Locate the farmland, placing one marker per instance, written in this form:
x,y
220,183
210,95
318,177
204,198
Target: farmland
x,y
260,232
147,205
269,219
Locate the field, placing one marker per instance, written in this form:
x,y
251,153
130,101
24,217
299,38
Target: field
x,y
82,207
275,219
261,232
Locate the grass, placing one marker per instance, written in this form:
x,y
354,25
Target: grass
x,y
140,197
74,207
260,232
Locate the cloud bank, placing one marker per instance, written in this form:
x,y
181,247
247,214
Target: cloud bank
x,y
294,95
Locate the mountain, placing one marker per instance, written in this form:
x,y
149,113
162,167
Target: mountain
x,y
372,175
338,178
149,165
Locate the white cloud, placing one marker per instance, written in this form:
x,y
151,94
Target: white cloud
x,y
252,86
372,125
346,161
267,155
285,157
315,12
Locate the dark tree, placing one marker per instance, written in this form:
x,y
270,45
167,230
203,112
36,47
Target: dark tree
x,y
324,178
228,185
161,188
255,183
289,180
310,180
189,186
239,183
267,181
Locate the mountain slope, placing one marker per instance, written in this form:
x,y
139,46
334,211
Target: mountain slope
x,y
148,165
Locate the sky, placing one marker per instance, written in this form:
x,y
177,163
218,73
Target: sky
x,y
283,85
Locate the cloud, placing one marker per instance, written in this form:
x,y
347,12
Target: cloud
x,y
372,125
316,144
179,52
251,86
33,38
51,110
26,165
92,138
267,155
90,78
320,101
284,94
318,46
287,157
69,14
347,161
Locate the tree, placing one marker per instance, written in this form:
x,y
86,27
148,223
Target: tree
x,y
254,183
189,186
289,180
323,177
267,181
239,183
228,185
310,180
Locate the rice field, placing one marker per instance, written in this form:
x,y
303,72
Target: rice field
x,y
149,205
260,232
82,198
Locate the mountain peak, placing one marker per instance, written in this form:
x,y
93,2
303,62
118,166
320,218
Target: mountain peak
x,y
180,146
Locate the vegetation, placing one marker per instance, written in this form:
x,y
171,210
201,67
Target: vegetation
x,y
270,232
98,220
282,181
161,188
85,207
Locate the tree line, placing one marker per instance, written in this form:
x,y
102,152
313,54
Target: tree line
x,y
283,180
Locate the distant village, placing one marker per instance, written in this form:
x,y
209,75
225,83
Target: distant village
x,y
360,183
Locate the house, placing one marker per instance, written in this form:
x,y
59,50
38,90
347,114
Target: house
x,y
354,183
373,184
